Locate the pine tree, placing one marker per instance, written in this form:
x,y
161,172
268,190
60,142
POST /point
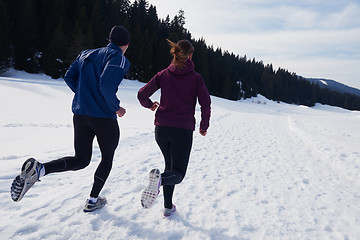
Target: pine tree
x,y
26,55
80,38
54,64
5,40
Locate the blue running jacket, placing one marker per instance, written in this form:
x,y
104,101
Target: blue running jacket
x,y
94,77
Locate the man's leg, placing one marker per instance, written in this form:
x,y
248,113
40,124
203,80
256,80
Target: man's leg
x,y
32,170
83,140
107,133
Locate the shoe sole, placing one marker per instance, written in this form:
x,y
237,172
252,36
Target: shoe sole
x,y
25,181
150,193
17,188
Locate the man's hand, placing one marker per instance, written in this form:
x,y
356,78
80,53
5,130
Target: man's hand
x,y
154,106
121,112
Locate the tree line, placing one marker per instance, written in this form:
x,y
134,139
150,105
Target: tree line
x,y
47,35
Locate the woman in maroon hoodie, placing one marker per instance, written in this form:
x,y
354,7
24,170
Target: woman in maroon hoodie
x,y
181,87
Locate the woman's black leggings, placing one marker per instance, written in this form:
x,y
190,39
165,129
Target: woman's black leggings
x,y
175,145
107,133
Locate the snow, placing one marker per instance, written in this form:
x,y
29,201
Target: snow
x,y
265,170
323,82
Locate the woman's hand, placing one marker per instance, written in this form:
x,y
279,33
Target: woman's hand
x,y
202,132
154,106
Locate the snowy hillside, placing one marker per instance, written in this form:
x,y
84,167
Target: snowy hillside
x,y
264,171
334,86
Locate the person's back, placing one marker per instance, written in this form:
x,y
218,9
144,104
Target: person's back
x,y
94,77
180,89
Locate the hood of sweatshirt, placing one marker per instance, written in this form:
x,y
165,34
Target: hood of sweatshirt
x,y
188,68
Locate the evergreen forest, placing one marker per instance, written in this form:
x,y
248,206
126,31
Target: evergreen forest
x,y
47,35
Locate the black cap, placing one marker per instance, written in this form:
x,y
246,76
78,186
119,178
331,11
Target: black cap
x,y
119,36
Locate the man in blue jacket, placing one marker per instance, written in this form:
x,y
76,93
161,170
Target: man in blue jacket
x,y
94,78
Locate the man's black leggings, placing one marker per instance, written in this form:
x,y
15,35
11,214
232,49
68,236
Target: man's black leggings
x,y
107,133
175,145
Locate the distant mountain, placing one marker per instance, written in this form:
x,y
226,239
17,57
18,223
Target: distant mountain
x,y
334,86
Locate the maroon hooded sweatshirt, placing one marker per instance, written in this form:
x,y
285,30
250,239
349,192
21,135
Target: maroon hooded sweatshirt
x,y
180,88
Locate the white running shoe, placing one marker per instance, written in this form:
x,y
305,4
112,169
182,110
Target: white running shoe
x,y
91,206
168,212
30,173
151,192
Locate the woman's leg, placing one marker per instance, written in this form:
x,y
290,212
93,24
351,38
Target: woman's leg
x,y
175,144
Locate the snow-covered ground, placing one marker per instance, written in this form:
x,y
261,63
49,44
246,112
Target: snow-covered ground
x,y
264,171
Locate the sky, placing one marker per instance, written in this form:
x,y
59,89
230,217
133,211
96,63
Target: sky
x,y
313,38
